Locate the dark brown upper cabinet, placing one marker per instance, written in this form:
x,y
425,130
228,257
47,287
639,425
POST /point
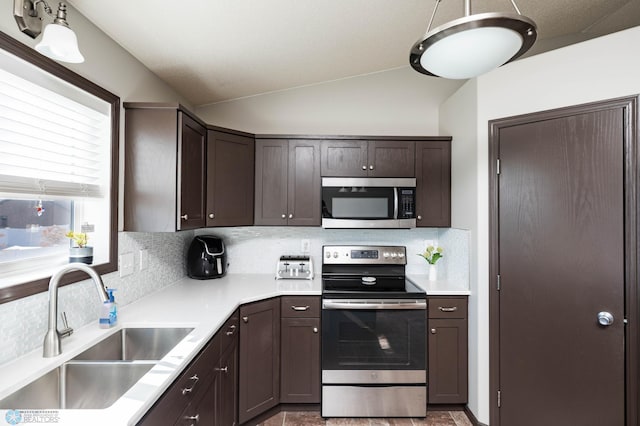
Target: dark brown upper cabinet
x,y
433,183
165,161
373,158
287,182
230,179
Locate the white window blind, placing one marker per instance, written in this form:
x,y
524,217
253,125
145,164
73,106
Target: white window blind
x,y
50,144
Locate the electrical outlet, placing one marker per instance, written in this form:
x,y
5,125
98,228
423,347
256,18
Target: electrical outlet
x,y
144,259
126,264
305,246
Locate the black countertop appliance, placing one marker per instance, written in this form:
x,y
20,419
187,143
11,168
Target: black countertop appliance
x,y
206,258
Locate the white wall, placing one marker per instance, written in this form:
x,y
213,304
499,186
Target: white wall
x,y
395,102
598,69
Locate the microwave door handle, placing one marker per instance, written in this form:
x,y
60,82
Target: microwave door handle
x,y
395,202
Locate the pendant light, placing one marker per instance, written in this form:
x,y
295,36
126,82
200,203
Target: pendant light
x,y
58,42
472,45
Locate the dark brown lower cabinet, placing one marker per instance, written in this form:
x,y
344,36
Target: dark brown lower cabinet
x,y
448,350
259,369
227,414
300,360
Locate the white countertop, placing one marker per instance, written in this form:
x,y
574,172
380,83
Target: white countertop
x,y
201,305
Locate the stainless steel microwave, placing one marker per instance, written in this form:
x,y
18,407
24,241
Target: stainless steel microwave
x,y
368,202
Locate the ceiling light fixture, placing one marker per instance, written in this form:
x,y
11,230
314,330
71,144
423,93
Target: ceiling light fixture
x,y
474,44
58,42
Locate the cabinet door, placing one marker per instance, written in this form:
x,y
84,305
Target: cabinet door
x,y
192,140
227,412
230,179
433,183
259,358
304,183
392,158
300,360
271,182
344,158
447,361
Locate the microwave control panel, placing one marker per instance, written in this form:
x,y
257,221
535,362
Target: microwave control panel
x,y
406,203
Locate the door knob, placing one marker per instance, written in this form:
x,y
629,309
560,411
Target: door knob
x,y
284,216
290,215
245,319
185,217
212,216
419,217
371,167
605,318
364,167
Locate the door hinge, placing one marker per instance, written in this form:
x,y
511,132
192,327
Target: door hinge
x,y
498,282
499,399
498,166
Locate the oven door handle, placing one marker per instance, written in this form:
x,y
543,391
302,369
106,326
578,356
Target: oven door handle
x,y
374,304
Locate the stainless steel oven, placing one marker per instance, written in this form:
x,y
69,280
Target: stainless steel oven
x,y
373,335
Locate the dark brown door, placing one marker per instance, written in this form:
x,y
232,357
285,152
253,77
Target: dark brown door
x,y
300,361
192,146
344,158
561,262
230,179
271,181
259,358
304,183
433,183
391,158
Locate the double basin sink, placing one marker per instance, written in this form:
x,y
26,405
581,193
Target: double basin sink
x,y
99,376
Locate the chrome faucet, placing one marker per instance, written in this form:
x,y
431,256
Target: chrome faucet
x,y
52,346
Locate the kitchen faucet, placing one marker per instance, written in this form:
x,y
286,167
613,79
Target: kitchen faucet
x,y
52,346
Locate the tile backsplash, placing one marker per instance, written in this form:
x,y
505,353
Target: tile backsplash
x,y
254,249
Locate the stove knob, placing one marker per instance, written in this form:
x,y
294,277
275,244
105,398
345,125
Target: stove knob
x,y
401,255
335,254
327,254
385,254
394,255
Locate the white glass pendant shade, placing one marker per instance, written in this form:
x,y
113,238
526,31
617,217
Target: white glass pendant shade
x,y
60,43
473,45
471,53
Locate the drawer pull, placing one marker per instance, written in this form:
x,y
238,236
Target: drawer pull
x,y
448,308
196,418
232,329
223,369
245,319
195,379
300,308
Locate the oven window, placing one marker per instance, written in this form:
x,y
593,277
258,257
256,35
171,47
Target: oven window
x,y
373,339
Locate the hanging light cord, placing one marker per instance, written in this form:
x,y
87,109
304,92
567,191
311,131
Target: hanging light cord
x,y
467,10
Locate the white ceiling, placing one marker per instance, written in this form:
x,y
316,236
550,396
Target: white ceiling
x,y
215,50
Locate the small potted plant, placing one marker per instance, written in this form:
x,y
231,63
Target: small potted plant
x,y
81,252
432,255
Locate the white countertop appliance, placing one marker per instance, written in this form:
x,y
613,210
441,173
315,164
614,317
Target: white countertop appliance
x,y
294,267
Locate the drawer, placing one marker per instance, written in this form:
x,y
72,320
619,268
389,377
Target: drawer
x,y
228,333
300,307
447,307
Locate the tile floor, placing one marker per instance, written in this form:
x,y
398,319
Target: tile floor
x,y
312,418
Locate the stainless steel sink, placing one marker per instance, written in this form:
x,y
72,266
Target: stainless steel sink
x,y
100,375
130,344
80,385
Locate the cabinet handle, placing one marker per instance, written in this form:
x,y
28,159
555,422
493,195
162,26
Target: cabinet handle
x,y
315,329
224,369
364,167
284,216
212,216
433,331
290,215
184,217
232,329
195,379
300,308
245,319
419,217
196,418
448,309
371,167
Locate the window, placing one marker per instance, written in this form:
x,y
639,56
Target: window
x,y
58,169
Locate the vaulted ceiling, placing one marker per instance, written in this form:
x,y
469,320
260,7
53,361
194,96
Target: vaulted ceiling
x,y
215,50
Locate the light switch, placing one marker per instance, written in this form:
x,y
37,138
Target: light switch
x,y
126,264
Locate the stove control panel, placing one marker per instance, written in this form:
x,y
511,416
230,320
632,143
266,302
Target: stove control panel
x,y
358,255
